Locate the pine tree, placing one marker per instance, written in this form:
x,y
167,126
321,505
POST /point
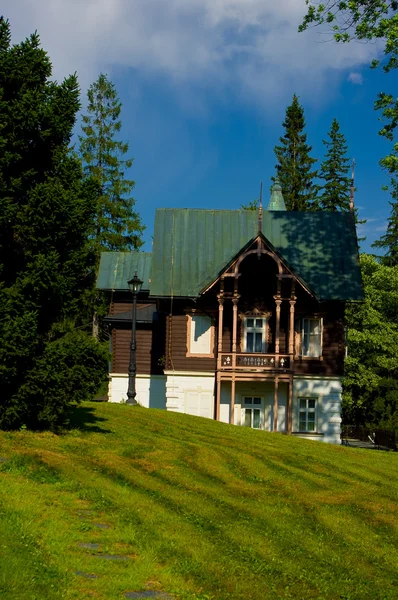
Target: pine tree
x,y
46,265
117,225
294,161
389,241
334,171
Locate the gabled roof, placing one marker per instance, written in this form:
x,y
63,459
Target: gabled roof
x,y
116,268
192,247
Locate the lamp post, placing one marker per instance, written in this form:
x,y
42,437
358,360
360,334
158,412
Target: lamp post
x,y
135,285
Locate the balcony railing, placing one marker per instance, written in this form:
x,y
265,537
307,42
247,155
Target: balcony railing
x,y
255,361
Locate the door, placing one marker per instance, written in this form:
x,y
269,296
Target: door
x,y
252,412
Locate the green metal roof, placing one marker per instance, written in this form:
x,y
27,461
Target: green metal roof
x,y
116,268
192,247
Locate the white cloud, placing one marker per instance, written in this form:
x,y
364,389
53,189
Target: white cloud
x,y
355,78
249,48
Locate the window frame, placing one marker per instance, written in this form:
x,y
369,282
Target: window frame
x,y
307,411
264,331
312,356
252,406
192,354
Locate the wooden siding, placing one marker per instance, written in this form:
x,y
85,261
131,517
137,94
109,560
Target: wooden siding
x,y
155,347
150,349
176,348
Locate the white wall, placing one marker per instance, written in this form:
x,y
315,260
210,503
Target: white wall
x,y
151,389
327,392
190,393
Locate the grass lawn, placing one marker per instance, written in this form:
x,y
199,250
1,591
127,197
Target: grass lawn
x,y
197,509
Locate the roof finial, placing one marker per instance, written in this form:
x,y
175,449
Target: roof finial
x,y
352,186
260,209
276,201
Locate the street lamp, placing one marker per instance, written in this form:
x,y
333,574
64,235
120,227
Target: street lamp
x,y
135,285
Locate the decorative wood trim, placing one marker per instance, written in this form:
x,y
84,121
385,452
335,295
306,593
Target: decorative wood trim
x,y
190,354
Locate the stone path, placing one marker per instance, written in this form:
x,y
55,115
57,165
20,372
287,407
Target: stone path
x,y
86,575
148,594
84,515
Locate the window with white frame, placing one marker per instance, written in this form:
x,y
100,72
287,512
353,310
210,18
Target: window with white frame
x,y
252,412
307,414
312,337
200,335
255,329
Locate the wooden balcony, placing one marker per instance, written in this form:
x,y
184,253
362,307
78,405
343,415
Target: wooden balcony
x,y
254,362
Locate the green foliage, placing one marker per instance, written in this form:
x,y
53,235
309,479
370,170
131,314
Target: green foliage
x,y
367,20
253,205
358,20
69,371
117,226
46,263
334,171
294,161
371,369
389,241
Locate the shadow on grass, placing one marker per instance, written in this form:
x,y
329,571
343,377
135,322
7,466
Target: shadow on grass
x,y
85,419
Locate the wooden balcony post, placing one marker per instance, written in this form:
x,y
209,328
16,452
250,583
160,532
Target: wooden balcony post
x,y
233,389
292,303
291,329
278,303
220,323
290,407
218,396
276,389
235,301
219,350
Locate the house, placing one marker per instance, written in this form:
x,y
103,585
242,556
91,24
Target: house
x,y
240,317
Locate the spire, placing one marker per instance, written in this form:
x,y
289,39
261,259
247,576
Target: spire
x,y
260,209
276,202
352,186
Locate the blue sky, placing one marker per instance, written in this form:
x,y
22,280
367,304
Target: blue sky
x,y
205,85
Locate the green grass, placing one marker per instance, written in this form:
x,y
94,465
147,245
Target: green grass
x,y
203,510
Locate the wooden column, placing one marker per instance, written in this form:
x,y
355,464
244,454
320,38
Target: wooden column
x,y
278,303
232,413
292,303
276,389
220,323
289,415
219,350
218,396
235,301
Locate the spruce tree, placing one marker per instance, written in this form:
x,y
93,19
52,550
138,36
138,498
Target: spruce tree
x,y
294,161
334,194
389,241
117,225
46,265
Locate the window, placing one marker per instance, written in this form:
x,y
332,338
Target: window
x,y
200,334
307,414
254,334
312,338
252,412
